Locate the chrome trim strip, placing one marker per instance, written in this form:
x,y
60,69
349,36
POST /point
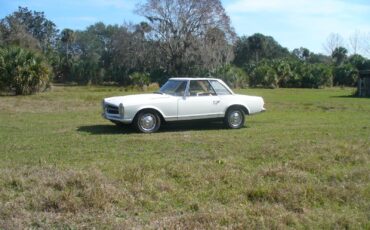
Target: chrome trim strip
x,y
196,117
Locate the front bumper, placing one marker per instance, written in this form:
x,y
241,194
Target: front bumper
x,y
114,113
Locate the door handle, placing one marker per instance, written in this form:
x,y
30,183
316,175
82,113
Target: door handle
x,y
215,102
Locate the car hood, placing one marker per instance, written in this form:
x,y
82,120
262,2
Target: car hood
x,y
135,99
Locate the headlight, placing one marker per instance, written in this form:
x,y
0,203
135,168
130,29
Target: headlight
x,y
121,109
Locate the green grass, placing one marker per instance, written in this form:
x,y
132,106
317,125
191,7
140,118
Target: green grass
x,y
305,163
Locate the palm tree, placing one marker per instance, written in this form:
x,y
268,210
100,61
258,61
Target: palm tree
x,y
68,37
257,43
339,55
23,71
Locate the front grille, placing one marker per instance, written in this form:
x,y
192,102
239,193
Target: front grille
x,y
112,109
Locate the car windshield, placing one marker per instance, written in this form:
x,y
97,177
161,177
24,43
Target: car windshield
x,y
173,87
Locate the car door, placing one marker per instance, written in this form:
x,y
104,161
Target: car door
x,y
200,102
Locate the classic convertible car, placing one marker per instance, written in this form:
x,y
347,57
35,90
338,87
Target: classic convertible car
x,y
182,99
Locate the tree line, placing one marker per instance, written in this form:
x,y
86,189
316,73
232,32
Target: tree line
x,y
178,38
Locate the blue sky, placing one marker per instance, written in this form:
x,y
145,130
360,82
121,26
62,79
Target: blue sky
x,y
293,23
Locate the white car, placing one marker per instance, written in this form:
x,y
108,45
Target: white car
x,y
182,99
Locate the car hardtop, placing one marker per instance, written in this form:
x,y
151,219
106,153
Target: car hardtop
x,y
188,79
193,78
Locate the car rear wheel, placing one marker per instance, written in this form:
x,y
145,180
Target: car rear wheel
x,y
147,122
234,118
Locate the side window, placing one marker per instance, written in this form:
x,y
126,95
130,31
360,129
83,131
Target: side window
x,y
180,89
219,88
200,88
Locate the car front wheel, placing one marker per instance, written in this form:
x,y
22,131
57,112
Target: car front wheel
x,y
147,122
234,118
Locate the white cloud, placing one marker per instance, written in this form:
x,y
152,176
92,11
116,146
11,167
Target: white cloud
x,y
121,4
297,23
84,18
297,6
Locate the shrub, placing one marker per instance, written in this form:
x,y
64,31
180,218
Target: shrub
x,y
316,76
345,75
140,79
23,71
288,73
284,72
264,75
233,76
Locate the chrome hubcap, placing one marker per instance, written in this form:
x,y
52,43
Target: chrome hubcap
x,y
147,122
235,118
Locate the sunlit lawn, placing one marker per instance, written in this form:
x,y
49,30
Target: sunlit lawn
x,y
303,163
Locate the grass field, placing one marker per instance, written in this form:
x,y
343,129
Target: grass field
x,y
305,163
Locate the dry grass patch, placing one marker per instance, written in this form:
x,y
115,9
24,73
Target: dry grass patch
x,y
47,196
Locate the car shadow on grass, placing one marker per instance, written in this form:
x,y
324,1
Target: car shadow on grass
x,y
105,129
350,97
192,126
168,127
